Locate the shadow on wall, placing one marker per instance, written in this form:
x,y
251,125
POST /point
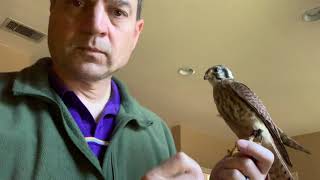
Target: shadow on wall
x,y
307,166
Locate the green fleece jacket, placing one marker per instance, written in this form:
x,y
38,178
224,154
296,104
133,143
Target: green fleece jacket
x,y
40,140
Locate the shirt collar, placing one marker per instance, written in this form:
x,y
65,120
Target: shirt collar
x,y
112,106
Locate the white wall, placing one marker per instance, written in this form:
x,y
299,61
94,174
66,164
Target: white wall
x,y
205,149
12,60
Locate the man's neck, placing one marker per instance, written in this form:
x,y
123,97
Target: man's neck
x,y
93,94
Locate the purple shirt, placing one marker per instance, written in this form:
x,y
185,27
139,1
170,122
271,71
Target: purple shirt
x,y
97,135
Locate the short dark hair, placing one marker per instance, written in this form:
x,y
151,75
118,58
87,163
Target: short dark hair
x,y
139,9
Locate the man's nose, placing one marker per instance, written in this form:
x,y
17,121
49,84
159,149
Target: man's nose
x,y
96,20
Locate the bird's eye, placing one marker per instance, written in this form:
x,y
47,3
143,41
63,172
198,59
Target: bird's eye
x,y
215,70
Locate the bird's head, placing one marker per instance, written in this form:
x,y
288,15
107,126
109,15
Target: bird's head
x,y
218,73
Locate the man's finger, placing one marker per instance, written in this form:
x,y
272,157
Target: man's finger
x,y
228,174
263,156
244,164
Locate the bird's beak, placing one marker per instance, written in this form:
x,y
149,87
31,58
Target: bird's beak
x,y
206,77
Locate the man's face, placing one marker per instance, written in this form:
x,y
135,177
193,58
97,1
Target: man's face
x,y
91,39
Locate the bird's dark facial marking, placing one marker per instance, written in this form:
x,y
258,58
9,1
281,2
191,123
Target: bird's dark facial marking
x,y
225,72
221,72
215,69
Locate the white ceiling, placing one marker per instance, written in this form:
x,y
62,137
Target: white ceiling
x,y
265,43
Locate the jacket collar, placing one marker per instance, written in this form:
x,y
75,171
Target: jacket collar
x,y
33,81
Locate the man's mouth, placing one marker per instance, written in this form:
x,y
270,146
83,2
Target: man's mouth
x,y
91,49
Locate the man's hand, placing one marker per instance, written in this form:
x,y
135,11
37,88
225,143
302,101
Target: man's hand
x,y
179,167
253,162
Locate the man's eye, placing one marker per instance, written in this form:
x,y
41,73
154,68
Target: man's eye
x,y
78,3
119,13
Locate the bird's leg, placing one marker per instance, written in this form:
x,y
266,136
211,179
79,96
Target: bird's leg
x,y
256,136
268,177
233,151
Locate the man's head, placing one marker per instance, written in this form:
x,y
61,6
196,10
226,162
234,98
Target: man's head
x,y
91,39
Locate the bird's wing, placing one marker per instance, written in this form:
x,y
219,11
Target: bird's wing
x,y
256,104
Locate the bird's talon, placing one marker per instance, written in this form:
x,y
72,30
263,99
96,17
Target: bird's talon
x,y
256,136
233,151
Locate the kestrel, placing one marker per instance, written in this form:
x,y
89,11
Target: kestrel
x,y
246,115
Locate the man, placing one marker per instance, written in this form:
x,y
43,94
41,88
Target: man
x,y
66,117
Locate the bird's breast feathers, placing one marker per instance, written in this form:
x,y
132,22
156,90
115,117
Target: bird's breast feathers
x,y
241,119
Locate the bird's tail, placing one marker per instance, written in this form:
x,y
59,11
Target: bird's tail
x,y
279,169
292,143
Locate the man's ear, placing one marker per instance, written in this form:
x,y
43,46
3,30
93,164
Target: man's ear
x,y
138,30
52,4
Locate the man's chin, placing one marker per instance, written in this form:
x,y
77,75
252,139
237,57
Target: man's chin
x,y
92,74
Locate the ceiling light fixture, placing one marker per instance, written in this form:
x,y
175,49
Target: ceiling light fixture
x,y
186,71
312,15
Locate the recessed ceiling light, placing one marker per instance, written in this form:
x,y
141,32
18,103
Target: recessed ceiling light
x,y
312,15
186,71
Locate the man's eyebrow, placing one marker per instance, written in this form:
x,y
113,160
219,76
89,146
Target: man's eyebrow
x,y
121,3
